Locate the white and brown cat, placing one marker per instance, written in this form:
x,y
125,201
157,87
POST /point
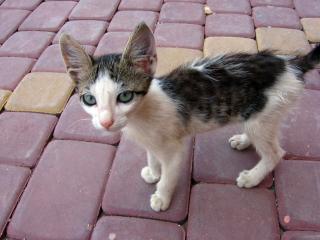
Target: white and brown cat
x,y
120,92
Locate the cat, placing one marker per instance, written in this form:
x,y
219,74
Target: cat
x,y
120,92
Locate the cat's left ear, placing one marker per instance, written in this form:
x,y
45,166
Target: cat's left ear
x,y
141,50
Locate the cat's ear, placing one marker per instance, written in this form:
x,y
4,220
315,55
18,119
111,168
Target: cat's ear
x,y
141,49
77,61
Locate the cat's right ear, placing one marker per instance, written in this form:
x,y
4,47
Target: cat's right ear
x,y
77,61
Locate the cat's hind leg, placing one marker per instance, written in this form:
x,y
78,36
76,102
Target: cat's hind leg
x,y
152,172
263,134
240,141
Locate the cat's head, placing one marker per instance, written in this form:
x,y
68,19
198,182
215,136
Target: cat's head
x,y
111,87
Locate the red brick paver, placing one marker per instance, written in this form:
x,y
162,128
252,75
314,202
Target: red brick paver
x,y
303,235
48,16
176,12
12,70
76,173
278,3
179,35
21,4
23,137
297,192
127,20
230,6
112,42
94,10
12,182
276,17
227,212
234,25
122,228
146,5
10,19
26,44
84,31
300,136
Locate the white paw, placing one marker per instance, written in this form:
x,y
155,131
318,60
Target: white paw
x,y
239,141
247,180
158,202
148,176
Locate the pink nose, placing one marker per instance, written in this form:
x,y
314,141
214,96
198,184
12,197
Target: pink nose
x,y
106,123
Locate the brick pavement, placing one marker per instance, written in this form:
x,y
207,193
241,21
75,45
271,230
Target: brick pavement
x,y
62,179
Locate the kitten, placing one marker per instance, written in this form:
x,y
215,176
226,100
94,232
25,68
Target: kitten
x,y
120,93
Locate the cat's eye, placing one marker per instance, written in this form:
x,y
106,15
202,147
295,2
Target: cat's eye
x,y
125,96
89,99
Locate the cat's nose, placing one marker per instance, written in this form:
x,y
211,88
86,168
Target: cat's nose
x,y
106,123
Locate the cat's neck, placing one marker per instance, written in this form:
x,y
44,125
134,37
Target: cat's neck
x,y
156,114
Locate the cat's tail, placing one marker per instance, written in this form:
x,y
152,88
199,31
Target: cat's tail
x,y
307,62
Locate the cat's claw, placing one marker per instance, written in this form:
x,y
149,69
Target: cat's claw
x,y
247,180
148,176
239,142
159,203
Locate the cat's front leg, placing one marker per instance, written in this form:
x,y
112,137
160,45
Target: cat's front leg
x,y
151,173
171,160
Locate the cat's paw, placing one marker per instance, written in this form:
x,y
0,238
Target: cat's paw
x,y
239,141
148,176
247,179
159,203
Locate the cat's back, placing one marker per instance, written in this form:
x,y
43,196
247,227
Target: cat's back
x,y
223,87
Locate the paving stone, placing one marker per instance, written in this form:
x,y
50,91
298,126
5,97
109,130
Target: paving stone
x,y
135,201
196,1
170,58
21,4
300,130
179,35
222,45
76,173
84,31
312,80
278,3
124,228
296,185
230,6
276,17
10,19
94,9
4,95
145,5
221,163
51,59
48,16
128,20
75,124
41,92
303,235
226,212
234,25
179,12
282,41
112,42
311,27
12,70
307,8
23,137
26,44
12,182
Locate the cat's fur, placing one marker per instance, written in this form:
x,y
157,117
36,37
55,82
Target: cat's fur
x,y
199,96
